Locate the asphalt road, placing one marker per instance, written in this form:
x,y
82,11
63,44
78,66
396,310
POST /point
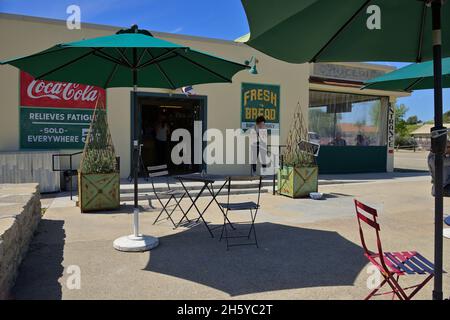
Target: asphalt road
x,y
410,160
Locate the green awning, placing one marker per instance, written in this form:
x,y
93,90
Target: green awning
x,y
412,77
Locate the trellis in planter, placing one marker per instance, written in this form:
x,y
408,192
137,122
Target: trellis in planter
x,y
298,176
98,177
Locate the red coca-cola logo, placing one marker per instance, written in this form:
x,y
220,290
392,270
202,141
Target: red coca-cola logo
x,y
41,93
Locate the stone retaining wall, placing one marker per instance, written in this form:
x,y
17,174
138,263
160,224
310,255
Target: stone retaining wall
x,y
20,213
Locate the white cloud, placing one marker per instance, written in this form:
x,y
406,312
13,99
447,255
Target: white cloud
x,y
176,30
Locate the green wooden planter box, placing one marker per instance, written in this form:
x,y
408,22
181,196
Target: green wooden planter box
x,y
98,191
297,182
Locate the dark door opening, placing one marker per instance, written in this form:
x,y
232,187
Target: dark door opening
x,y
160,115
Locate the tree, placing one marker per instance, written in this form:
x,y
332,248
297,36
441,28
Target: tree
x,y
412,120
446,118
98,154
401,128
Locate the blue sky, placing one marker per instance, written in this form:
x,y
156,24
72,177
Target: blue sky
x,y
224,19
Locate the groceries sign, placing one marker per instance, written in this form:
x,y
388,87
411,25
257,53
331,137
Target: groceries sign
x,y
55,115
260,100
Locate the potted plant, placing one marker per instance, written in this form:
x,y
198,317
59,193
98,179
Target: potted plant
x,y
298,172
98,177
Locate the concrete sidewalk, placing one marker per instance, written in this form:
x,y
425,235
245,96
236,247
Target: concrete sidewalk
x,y
308,249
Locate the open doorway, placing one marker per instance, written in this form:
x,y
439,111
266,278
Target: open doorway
x,y
160,115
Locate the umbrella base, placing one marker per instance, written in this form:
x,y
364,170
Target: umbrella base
x,y
447,233
132,243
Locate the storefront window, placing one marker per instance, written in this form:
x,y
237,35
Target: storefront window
x,y
342,119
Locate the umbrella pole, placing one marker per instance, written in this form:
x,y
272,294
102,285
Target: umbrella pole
x,y
136,241
135,158
438,145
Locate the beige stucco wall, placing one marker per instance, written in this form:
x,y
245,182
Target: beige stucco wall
x,y
224,100
25,35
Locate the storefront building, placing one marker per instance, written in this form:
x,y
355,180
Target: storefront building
x,y
354,126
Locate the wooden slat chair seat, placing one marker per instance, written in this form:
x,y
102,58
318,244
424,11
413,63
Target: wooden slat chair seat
x,y
405,262
175,195
392,265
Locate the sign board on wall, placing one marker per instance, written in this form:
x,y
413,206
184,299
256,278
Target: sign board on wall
x,y
343,72
260,100
55,115
391,128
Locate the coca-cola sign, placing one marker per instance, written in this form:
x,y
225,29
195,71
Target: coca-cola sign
x,y
42,93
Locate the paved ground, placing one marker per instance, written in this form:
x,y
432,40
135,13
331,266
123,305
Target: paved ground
x,y
308,249
410,160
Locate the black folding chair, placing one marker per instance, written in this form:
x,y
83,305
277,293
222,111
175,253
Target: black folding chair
x,y
241,206
170,194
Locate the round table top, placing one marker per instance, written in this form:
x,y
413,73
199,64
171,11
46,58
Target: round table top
x,y
447,221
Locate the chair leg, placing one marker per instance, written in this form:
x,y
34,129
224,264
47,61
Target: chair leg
x,y
226,232
397,289
392,283
393,293
420,286
164,209
182,210
252,227
371,294
224,225
169,215
160,213
256,239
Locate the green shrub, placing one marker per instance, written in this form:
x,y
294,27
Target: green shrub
x,y
98,154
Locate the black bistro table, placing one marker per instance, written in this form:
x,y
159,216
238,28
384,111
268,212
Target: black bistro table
x,y
208,180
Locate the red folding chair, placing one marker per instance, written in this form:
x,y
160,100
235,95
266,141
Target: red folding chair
x,y
392,265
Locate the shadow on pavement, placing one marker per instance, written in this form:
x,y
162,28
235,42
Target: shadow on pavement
x,y
288,258
42,267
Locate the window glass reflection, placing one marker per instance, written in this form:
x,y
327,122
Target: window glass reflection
x,y
341,119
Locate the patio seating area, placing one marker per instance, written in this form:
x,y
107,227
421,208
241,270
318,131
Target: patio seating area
x,y
307,249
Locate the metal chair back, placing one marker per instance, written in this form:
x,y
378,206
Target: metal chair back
x,y
158,171
244,178
368,216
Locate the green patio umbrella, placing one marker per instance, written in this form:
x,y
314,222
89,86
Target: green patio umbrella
x,y
416,76
362,30
130,58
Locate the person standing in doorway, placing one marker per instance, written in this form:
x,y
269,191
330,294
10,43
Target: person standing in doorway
x,y
161,136
260,129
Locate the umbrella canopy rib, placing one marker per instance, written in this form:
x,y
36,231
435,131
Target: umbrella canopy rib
x,y
421,32
68,63
414,83
124,57
111,76
110,58
319,52
160,68
204,68
162,57
56,48
141,56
